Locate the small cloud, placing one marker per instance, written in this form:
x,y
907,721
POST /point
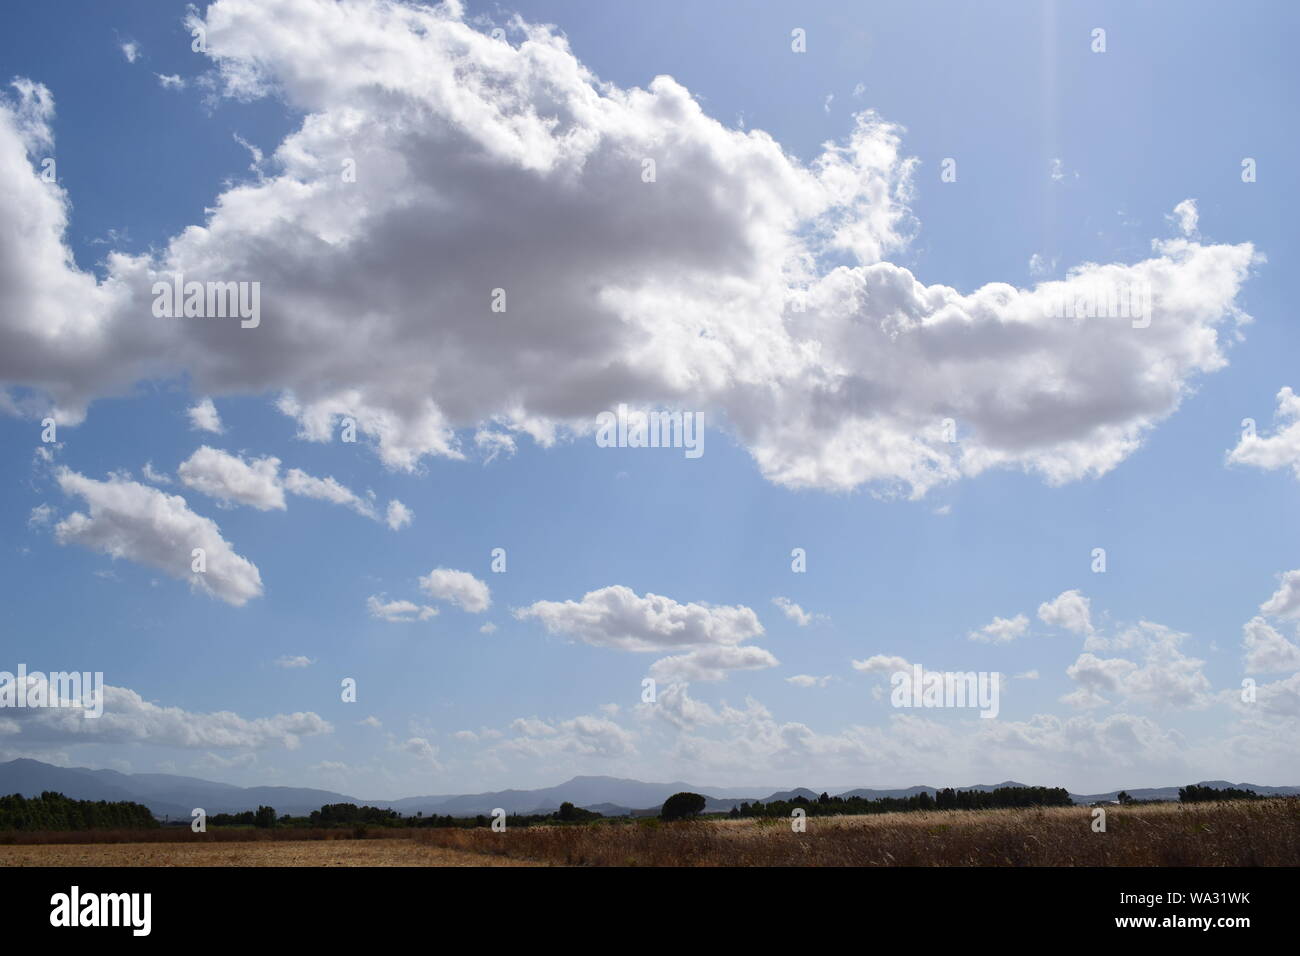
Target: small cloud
x,y
459,587
494,443
1040,265
882,664
398,516
371,721
793,611
253,151
421,748
399,612
154,477
41,515
1068,610
1185,217
204,417
291,663
131,50
1027,675
114,237
488,628
807,680
859,89
1001,630
827,105
170,81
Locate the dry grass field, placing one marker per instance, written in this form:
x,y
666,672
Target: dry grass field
x,y
401,852
1266,833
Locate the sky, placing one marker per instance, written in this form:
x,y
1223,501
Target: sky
x,y
832,231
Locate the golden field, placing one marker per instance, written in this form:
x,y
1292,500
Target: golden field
x,y
1264,833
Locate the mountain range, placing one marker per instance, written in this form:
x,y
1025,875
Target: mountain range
x,y
173,796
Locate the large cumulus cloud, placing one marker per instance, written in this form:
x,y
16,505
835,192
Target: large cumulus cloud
x,y
485,164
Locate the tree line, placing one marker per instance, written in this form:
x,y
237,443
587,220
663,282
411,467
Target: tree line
x,y
54,811
350,815
1193,793
946,799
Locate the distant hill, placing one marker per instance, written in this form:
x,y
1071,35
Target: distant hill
x,y
166,795
173,796
1171,793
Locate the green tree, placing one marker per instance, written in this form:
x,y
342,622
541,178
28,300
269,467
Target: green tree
x,y
681,805
265,818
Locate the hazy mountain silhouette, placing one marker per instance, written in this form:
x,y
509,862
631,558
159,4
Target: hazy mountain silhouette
x,y
175,796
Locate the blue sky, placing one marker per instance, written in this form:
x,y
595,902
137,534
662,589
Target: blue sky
x,y
1064,154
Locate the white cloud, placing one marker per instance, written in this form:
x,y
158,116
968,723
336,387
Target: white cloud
x,y
617,617
204,417
1040,265
1281,699
154,477
1165,677
1002,630
807,680
1279,450
298,482
423,750
1069,610
291,663
133,521
41,515
586,735
1267,651
793,611
1285,602
257,483
459,587
398,515
1185,217
398,612
130,49
882,664
232,480
129,718
494,443
170,81
711,663
675,290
